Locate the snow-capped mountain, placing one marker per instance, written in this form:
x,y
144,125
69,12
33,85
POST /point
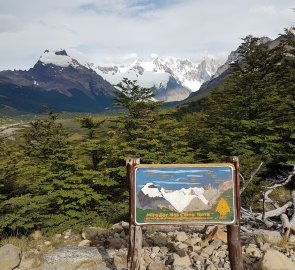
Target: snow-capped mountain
x,y
172,79
56,80
151,196
66,81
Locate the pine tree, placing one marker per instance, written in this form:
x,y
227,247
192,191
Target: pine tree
x,y
53,193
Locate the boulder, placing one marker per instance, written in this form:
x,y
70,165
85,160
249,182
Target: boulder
x,y
157,266
272,237
213,246
68,258
91,233
159,239
181,261
274,260
180,236
10,257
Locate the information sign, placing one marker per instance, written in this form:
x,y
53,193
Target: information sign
x,y
184,194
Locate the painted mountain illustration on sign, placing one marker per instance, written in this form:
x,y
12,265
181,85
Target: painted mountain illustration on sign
x,y
182,200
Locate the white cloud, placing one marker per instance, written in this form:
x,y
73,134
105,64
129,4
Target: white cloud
x,y
120,30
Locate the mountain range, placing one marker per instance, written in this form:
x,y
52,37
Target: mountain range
x,y
182,200
65,83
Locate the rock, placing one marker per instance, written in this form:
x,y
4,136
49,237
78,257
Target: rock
x,y
27,263
120,262
159,239
181,249
10,257
118,227
57,237
155,249
68,258
91,233
67,232
198,259
217,233
193,241
180,236
292,258
84,243
181,261
272,237
211,267
179,267
36,235
254,251
47,243
115,243
125,225
157,266
213,246
221,254
274,260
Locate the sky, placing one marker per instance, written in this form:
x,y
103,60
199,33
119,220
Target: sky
x,y
119,31
179,177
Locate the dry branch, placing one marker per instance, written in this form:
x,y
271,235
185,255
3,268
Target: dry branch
x,y
251,178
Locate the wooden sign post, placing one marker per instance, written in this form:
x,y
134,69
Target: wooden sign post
x,y
233,231
184,194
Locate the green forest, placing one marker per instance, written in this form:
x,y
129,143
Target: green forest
x,y
52,179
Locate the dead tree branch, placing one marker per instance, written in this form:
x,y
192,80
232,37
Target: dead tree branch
x,y
251,177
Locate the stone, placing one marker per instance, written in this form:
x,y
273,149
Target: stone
x,y
217,233
47,243
211,267
115,243
272,237
221,254
84,243
120,262
181,249
254,251
67,232
180,236
125,225
292,258
27,263
155,249
274,260
193,241
181,261
179,267
157,266
159,239
213,246
69,257
91,233
118,227
198,259
36,235
10,257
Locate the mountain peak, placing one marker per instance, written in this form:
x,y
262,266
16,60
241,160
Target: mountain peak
x,y
58,57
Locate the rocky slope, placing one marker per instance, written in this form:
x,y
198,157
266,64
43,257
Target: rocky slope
x,y
164,248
